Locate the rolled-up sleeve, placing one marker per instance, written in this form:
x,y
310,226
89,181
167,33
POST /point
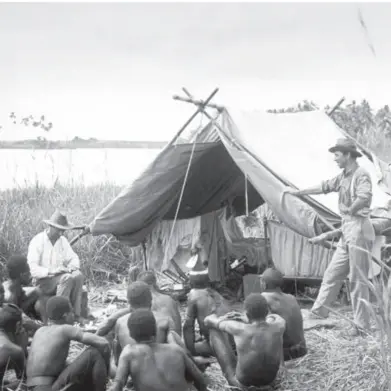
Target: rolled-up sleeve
x,y
331,185
364,186
34,257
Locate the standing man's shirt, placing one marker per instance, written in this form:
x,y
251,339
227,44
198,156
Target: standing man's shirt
x,y
44,258
351,184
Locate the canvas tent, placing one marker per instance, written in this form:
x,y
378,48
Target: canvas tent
x,y
237,163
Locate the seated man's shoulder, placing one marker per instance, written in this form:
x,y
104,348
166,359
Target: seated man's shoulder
x,y
170,349
37,236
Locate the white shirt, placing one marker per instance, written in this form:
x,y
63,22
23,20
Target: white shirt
x,y
44,258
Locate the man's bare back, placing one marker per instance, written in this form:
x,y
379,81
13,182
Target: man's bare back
x,y
288,308
203,302
258,342
166,305
161,302
164,325
49,350
258,366
154,366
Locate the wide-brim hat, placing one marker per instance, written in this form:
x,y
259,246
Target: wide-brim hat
x,y
346,145
59,220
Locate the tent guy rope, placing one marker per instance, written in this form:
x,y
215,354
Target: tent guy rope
x,y
201,109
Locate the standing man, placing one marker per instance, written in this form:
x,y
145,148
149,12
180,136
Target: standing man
x,y
354,250
54,265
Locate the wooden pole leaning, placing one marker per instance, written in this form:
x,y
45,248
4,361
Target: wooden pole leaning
x,y
200,109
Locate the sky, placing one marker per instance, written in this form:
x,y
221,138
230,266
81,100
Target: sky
x,y
109,71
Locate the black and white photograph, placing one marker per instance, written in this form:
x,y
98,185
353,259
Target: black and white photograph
x,y
195,196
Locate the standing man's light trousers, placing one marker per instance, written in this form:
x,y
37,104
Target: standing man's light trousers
x,y
353,258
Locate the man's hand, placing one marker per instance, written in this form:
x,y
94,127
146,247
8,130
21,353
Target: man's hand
x,y
320,239
233,315
345,210
59,270
290,190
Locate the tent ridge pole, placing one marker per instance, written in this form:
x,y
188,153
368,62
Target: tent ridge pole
x,y
199,110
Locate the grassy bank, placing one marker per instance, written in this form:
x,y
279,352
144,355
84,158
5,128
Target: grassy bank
x,y
23,209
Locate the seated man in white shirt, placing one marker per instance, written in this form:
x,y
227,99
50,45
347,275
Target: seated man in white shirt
x,y
54,265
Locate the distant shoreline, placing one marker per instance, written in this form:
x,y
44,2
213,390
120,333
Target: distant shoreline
x,y
80,143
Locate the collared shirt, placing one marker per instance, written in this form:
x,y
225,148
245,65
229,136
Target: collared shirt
x,y
44,257
351,184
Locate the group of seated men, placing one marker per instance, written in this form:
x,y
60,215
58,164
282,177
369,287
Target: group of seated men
x,y
146,346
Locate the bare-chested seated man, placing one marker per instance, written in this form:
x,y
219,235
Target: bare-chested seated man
x,y
140,297
19,277
202,301
161,302
258,343
288,308
46,365
154,366
12,356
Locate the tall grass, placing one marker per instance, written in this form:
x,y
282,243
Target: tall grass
x,y
23,210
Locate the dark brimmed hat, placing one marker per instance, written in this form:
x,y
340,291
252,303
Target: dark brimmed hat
x,y
59,220
346,145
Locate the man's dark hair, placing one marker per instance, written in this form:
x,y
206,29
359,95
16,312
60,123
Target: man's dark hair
x,y
256,306
139,295
199,281
57,307
16,265
273,278
142,325
148,277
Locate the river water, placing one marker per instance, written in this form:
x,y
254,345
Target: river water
x,y
26,167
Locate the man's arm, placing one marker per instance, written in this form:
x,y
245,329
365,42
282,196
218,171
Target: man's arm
x,y
363,192
89,339
335,234
232,327
189,325
123,370
309,191
34,257
72,259
193,374
30,324
328,186
110,322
